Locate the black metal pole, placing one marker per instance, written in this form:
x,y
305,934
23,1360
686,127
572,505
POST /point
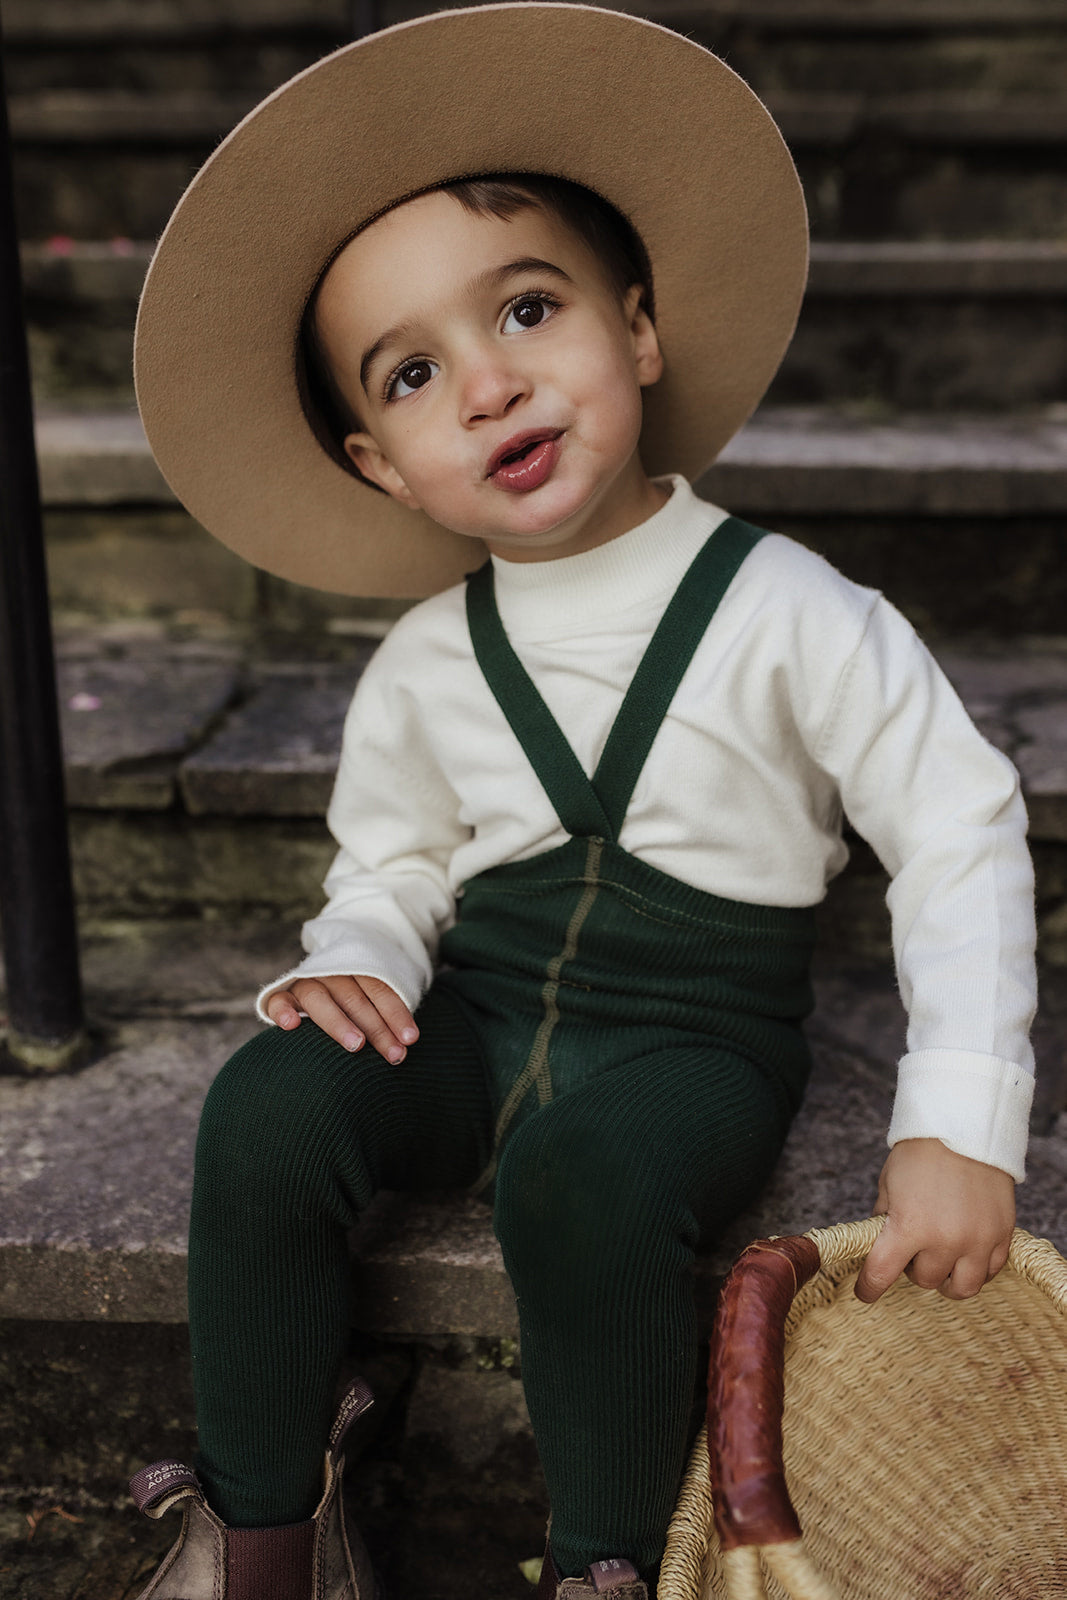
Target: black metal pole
x,y
46,1029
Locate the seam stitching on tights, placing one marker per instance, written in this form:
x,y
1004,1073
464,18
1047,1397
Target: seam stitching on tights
x,y
536,1071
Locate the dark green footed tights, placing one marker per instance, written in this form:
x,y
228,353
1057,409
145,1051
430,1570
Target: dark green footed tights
x,y
601,1197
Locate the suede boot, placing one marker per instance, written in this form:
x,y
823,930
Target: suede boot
x,y
604,1580
322,1559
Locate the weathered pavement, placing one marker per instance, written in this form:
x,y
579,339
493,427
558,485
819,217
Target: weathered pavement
x,y
96,1166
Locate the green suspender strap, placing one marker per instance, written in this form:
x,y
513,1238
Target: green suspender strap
x,y
596,808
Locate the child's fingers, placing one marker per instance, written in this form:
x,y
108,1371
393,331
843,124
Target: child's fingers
x,y
972,1272
392,1010
956,1276
380,1016
886,1260
966,1277
380,1036
998,1258
337,1019
934,1269
352,1011
281,1008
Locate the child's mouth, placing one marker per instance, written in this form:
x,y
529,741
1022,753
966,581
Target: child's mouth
x,y
525,461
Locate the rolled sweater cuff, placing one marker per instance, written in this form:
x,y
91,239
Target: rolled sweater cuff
x,y
977,1105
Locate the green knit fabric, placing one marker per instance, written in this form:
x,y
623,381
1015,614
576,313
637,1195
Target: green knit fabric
x,y
601,1198
584,959
295,1137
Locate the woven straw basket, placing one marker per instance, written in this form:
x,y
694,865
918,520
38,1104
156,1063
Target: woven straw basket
x,y
924,1440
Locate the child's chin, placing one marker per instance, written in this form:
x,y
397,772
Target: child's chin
x,y
554,511
544,535
542,518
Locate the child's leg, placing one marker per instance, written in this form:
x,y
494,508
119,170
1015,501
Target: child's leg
x,y
296,1136
602,1196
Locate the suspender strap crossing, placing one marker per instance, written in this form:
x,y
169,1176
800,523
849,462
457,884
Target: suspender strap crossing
x,y
596,808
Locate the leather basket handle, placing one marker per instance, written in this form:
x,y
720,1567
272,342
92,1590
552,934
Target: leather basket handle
x,y
746,1393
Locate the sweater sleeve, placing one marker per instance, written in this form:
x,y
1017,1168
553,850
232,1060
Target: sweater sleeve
x,y
395,818
944,813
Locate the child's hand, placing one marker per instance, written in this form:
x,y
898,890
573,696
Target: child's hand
x,y
948,1221
350,1010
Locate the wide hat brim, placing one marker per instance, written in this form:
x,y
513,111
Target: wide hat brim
x,y
649,120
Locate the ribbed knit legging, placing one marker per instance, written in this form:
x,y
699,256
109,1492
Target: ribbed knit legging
x,y
601,1198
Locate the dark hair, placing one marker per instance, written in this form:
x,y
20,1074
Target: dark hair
x,y
606,233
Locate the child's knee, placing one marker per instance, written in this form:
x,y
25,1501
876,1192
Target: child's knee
x,y
275,1143
268,1100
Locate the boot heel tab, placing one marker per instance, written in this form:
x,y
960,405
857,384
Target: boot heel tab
x,y
356,1399
155,1489
614,1577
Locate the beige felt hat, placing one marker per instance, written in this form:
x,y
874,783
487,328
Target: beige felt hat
x,y
651,121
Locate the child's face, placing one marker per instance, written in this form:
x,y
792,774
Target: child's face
x,y
496,375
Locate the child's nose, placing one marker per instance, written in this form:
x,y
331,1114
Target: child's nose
x,y
491,388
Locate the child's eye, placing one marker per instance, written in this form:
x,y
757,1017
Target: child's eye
x,y
411,376
528,311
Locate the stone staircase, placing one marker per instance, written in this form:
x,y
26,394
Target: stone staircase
x,y
916,434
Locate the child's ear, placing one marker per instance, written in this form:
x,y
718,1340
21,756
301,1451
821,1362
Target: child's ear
x,y
368,458
648,358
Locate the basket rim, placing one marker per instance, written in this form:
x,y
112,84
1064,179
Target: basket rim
x,y
842,1248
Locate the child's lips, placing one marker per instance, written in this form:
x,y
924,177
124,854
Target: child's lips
x,y
524,461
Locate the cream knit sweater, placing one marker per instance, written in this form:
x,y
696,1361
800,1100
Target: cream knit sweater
x,y
808,698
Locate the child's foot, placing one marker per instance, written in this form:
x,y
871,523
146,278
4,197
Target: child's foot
x,y
322,1558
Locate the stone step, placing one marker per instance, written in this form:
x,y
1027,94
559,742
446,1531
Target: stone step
x,y
32,21
930,326
917,505
97,1165
221,62
952,164
200,116
799,459
945,41
88,272
96,1179
188,765
36,21
983,62
915,324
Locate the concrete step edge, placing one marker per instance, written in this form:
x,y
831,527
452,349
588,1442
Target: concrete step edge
x,y
92,271
150,729
99,1165
65,116
787,460
873,16
28,22
107,21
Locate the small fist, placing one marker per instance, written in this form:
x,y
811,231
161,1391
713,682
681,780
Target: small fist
x,y
949,1221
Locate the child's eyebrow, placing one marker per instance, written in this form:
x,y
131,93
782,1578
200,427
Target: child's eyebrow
x,y
484,280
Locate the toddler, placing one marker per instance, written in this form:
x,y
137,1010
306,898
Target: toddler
x,y
587,799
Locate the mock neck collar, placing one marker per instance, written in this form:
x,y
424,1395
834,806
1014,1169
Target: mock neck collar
x,y
641,568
